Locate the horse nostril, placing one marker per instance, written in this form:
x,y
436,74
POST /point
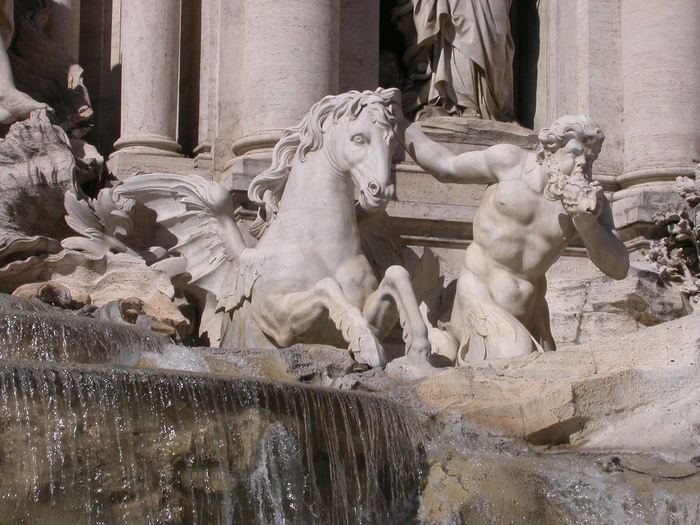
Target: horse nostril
x,y
373,188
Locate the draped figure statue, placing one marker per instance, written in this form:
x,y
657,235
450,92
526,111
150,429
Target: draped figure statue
x,y
14,105
472,56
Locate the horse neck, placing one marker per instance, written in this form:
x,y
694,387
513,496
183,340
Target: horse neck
x,y
316,185
318,201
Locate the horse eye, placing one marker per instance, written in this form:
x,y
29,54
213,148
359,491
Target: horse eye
x,y
359,139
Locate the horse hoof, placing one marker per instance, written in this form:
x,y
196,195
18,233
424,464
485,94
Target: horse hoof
x,y
420,349
368,350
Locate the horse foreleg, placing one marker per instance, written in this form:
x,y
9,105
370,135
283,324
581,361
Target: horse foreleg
x,y
395,300
301,310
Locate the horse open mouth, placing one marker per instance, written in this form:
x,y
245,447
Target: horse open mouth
x,y
371,203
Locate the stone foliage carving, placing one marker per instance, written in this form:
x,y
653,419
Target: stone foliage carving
x,y
306,280
677,254
466,49
102,224
534,205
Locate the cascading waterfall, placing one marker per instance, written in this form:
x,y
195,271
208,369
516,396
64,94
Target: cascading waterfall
x,y
53,337
103,445
87,437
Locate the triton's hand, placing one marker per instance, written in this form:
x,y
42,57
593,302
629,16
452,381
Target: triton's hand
x,y
401,122
581,197
397,111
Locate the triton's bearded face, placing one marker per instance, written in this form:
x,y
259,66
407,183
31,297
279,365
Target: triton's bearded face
x,y
572,162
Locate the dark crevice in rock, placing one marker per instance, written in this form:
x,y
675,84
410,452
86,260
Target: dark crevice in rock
x,y
557,434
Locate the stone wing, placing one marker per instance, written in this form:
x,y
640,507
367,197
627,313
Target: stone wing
x,y
201,215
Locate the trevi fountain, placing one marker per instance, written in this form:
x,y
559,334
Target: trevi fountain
x,y
424,262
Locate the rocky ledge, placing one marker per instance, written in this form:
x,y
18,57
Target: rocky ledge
x,y
635,393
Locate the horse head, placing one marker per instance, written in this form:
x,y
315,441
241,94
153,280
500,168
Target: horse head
x,y
360,144
355,131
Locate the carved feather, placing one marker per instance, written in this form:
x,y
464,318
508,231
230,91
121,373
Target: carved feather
x,y
200,214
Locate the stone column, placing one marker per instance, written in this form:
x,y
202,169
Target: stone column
x,y
580,72
150,59
359,45
64,26
207,79
661,86
661,82
290,62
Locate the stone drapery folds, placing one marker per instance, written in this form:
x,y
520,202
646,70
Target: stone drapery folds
x,y
472,59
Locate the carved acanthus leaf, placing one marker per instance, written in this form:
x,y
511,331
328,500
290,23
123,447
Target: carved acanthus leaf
x,y
677,255
101,222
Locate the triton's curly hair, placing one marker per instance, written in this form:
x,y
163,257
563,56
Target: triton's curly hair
x,y
566,128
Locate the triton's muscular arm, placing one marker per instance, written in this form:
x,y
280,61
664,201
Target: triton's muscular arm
x,y
602,241
475,167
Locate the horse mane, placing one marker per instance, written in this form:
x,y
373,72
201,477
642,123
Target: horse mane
x,y
266,189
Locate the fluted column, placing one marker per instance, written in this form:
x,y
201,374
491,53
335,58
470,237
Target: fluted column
x,y
661,84
64,26
661,124
150,61
208,78
290,62
359,45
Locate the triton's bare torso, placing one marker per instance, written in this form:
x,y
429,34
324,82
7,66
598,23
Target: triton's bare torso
x,y
518,235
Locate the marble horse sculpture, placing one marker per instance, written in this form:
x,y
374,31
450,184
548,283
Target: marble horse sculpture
x,y
306,280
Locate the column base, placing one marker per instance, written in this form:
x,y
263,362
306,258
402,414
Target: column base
x,y
260,140
634,210
252,155
123,164
240,172
641,177
148,144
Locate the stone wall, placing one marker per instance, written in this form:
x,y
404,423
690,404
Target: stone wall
x,y
241,71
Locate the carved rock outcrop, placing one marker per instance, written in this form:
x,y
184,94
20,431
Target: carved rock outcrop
x,y
37,167
584,309
45,72
596,396
103,280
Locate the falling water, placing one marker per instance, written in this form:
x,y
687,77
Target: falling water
x,y
102,442
103,445
53,337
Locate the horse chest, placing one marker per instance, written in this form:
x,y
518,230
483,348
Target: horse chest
x,y
357,280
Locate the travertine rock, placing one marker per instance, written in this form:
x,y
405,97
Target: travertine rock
x,y
102,280
488,481
586,308
51,293
612,394
308,363
37,167
463,490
